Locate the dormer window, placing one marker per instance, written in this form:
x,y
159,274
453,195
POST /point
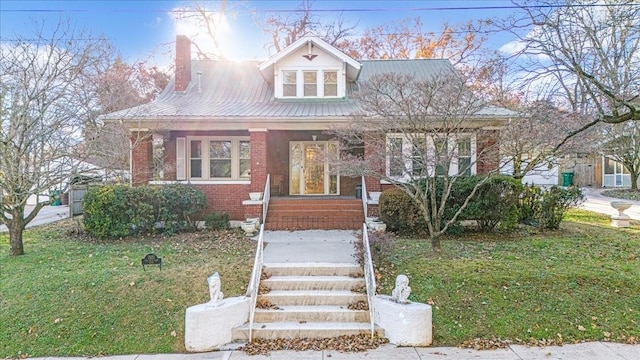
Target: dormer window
x,y
310,83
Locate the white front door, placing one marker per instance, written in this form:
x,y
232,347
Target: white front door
x,y
310,170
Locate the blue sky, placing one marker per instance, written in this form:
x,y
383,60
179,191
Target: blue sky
x,y
141,29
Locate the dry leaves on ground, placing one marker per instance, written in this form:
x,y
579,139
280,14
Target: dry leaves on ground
x,y
346,343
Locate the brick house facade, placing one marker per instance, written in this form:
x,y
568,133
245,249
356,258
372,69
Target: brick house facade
x,y
224,126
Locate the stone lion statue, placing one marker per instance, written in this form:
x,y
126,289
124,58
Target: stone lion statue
x,y
215,288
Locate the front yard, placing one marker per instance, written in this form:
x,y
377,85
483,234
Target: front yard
x,y
73,296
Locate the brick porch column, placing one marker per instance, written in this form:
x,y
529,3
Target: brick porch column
x,y
371,154
141,157
258,139
488,151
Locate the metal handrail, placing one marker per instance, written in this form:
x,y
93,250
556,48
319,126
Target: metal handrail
x,y
365,199
254,284
258,261
369,276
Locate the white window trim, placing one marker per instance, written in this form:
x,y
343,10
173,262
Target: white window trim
x,y
279,83
407,154
235,158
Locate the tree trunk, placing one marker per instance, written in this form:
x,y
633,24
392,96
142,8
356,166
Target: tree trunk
x,y
634,181
435,244
16,227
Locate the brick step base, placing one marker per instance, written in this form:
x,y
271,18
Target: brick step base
x,y
310,214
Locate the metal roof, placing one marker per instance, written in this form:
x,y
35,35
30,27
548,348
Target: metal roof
x,y
233,89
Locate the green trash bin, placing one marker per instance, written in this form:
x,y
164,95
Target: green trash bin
x,y
54,198
567,179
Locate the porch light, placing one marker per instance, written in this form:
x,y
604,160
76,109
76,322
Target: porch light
x,y
314,137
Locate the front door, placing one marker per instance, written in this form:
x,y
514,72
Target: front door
x,y
310,170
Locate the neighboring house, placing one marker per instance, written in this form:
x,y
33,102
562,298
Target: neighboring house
x,y
226,125
595,170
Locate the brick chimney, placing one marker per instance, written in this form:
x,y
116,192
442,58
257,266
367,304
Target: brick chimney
x,y
183,63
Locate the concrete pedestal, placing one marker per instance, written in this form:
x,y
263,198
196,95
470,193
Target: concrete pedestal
x,y
404,324
620,221
208,326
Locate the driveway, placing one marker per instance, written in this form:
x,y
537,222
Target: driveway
x,y
601,204
47,214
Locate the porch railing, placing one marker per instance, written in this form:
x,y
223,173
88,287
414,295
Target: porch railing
x,y
365,198
258,261
369,276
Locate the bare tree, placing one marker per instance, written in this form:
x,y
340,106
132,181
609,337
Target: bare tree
x,y
43,95
120,86
623,145
418,135
209,17
528,141
585,52
286,29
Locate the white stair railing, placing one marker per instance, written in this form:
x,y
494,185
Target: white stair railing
x,y
369,276
254,284
365,198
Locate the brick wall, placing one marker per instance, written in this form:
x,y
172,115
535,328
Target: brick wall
x,y
226,198
141,158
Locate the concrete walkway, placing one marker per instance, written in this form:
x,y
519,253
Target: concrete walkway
x,y
584,351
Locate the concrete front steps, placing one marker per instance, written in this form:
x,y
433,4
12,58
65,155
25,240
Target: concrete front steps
x,y
322,213
309,300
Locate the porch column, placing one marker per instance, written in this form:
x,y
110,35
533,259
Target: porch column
x,y
371,153
141,157
258,139
488,152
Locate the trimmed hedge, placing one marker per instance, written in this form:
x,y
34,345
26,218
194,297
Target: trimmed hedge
x,y
113,211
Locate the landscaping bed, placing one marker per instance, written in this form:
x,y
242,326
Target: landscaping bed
x,y
627,194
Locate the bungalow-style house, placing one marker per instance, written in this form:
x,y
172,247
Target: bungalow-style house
x,y
226,125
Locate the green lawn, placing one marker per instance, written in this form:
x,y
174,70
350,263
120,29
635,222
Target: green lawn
x,y
578,284
72,296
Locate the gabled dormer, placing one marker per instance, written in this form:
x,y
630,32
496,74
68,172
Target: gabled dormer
x,y
310,68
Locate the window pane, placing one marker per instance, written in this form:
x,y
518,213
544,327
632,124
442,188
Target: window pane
x,y
220,150
464,147
288,83
442,156
464,166
310,83
196,168
396,163
330,83
220,168
195,154
245,150
609,166
419,153
245,168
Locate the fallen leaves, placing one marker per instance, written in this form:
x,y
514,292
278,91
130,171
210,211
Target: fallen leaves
x,y
485,344
265,304
359,305
345,343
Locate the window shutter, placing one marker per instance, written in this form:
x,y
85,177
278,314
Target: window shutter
x,y
181,161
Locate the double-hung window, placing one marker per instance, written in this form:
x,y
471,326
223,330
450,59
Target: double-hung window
x,y
411,156
217,158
